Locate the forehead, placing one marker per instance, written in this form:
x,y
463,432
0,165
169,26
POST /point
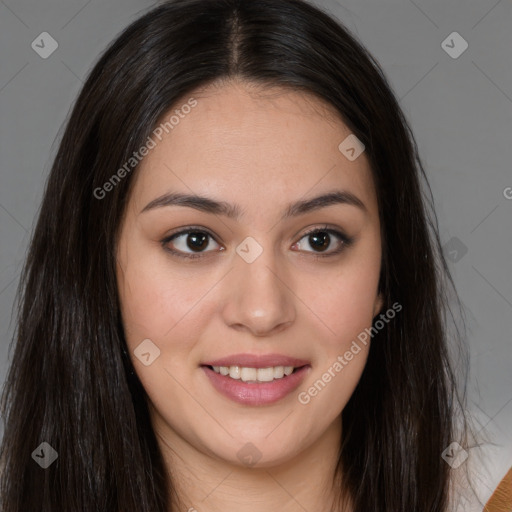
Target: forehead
x,y
250,145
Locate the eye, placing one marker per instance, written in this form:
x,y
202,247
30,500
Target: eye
x,y
322,238
194,240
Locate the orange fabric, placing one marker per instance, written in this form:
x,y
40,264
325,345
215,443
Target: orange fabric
x,y
501,499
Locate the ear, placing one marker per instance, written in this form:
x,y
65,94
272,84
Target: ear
x,y
379,302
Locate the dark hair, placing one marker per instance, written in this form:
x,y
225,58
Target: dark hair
x,y
71,383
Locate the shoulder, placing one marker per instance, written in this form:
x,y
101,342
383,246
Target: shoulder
x,y
501,499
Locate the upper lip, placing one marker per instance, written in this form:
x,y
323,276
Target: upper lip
x,y
257,361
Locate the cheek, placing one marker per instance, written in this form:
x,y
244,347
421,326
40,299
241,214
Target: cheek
x,y
346,307
330,388
155,302
167,310
345,304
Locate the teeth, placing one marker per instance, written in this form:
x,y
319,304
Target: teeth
x,y
234,372
263,374
279,372
247,374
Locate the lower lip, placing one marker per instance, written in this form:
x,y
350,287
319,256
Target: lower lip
x,y
263,393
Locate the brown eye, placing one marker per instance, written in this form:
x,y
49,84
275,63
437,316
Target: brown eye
x,y
188,244
321,239
197,241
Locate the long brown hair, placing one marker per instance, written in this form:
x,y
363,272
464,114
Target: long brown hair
x,y
71,384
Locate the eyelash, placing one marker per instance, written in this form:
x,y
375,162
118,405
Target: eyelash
x,y
346,241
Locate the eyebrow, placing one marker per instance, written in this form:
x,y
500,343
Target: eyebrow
x,y
234,211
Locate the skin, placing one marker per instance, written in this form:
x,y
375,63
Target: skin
x,y
261,149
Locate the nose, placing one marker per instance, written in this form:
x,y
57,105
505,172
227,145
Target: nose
x,y
259,299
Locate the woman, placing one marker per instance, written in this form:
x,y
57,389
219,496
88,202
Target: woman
x,y
235,294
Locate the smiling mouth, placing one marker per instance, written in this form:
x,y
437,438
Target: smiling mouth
x,y
251,375
260,386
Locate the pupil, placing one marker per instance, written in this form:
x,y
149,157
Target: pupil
x,y
199,241
321,237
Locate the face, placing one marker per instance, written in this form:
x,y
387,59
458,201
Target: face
x,y
257,281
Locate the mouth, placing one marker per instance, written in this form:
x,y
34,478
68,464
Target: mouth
x,y
256,382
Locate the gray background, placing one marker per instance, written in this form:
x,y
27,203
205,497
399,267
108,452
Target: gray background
x,y
460,110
